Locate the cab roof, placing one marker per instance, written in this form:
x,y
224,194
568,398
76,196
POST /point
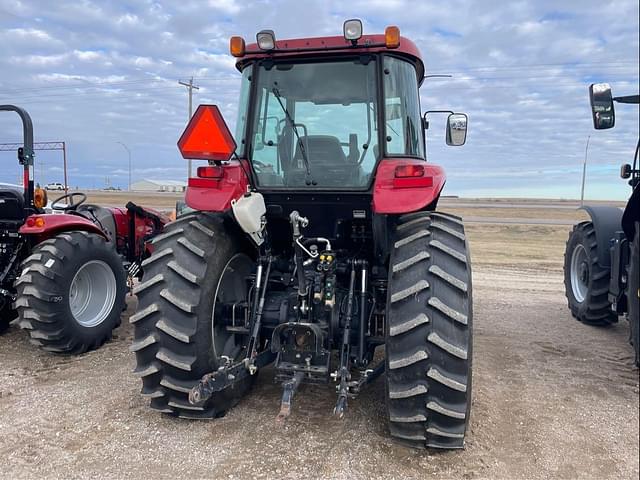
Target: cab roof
x,y
333,46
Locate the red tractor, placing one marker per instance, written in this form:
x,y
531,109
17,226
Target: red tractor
x,y
64,274
314,244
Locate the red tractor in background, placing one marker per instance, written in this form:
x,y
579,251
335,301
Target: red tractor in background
x,y
64,274
313,244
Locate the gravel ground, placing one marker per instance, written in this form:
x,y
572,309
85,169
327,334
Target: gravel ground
x,y
552,399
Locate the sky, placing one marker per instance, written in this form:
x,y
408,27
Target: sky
x,y
95,73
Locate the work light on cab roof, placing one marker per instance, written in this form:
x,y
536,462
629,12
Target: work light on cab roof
x,y
352,32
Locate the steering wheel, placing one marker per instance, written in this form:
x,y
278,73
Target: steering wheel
x,y
69,206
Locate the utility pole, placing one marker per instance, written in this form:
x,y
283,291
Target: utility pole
x,y
190,86
64,160
129,153
584,171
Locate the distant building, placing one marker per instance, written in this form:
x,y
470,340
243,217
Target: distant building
x,y
148,185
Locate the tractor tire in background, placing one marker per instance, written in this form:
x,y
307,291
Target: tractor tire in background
x,y
71,292
586,282
429,332
196,261
633,294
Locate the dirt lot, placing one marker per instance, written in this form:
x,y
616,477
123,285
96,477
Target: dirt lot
x,y
552,399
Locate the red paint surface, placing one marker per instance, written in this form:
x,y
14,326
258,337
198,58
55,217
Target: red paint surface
x,y
121,217
214,195
59,222
388,197
144,228
338,45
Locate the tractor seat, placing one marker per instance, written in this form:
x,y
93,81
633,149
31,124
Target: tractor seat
x,y
329,165
323,151
101,216
11,204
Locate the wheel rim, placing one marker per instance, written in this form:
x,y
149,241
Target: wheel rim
x,y
231,288
579,273
92,293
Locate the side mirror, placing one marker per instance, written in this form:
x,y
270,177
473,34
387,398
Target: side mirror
x,y
602,106
625,171
456,129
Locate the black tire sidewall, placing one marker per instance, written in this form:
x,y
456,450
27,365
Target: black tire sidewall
x,y
206,361
82,248
577,239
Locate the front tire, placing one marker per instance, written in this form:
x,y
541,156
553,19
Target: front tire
x,y
429,332
196,261
586,282
71,292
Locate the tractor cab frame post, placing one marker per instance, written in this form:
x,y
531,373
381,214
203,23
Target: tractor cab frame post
x,y
26,153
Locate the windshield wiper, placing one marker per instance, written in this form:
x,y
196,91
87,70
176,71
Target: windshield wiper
x,y
308,179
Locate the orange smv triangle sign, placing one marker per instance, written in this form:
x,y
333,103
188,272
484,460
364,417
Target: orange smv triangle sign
x,y
207,136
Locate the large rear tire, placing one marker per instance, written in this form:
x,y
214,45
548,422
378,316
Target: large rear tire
x,y
633,295
196,261
429,332
71,292
586,282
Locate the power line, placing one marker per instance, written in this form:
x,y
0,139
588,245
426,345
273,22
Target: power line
x,y
110,88
461,70
530,66
89,84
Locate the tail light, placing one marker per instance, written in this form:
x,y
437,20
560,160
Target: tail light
x,y
410,176
409,171
207,177
35,222
211,171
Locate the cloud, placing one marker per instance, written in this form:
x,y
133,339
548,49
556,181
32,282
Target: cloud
x,y
96,73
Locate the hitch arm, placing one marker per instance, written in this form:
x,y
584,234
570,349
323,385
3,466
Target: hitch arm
x,y
343,373
289,389
254,340
226,377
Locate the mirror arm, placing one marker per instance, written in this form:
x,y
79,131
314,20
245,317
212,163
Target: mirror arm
x,y
436,111
425,122
627,99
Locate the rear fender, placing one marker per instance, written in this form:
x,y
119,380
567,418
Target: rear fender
x,y
216,194
606,222
55,223
391,198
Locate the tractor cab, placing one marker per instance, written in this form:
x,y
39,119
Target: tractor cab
x,y
335,121
321,125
